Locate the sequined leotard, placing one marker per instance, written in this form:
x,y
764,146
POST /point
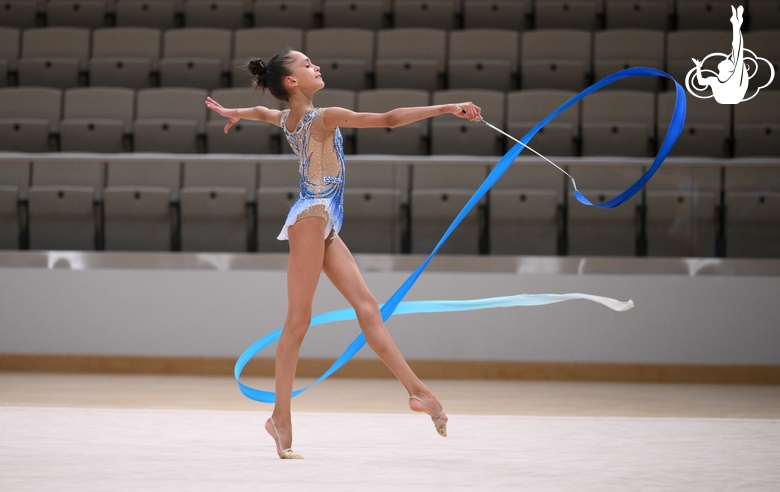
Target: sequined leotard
x,y
320,153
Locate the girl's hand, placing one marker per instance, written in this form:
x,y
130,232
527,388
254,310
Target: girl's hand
x,y
468,110
230,114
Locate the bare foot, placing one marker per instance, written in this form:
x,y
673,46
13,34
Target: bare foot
x,y
280,437
430,405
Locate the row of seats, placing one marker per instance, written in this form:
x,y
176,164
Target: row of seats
x,y
130,203
378,14
624,123
356,59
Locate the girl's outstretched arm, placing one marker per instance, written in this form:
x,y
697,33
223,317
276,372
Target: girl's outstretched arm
x,y
258,113
333,117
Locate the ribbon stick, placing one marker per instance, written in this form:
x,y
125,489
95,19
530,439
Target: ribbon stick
x,y
394,303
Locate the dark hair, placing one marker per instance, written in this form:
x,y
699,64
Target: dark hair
x,y
271,75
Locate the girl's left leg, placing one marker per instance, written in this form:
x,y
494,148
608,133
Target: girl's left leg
x,y
343,272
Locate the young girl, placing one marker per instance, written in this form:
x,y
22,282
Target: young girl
x,y
314,221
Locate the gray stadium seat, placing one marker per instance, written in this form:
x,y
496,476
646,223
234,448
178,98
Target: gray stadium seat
x,y
96,119
263,43
681,46
618,123
765,44
326,98
27,117
568,14
145,173
214,198
374,218
225,14
344,55
707,129
62,201
169,119
598,232
439,192
484,59
524,210
144,221
16,174
246,136
434,14
62,217
279,186
496,14
9,218
285,13
76,13
53,56
9,52
705,14
78,172
764,14
137,218
214,218
525,109
195,57
410,58
752,195
681,211
453,135
638,14
365,14
20,14
124,56
404,140
556,59
618,49
160,14
756,127
236,173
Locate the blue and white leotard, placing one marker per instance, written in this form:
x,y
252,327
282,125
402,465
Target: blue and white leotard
x,y
320,153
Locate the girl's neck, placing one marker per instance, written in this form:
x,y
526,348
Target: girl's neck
x,y
301,103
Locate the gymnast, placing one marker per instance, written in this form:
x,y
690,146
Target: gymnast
x,y
315,219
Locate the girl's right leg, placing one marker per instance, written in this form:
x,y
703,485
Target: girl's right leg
x,y
307,250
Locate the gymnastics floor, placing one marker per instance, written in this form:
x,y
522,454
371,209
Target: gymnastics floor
x,y
113,432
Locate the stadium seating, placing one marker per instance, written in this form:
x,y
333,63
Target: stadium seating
x,y
124,56
345,56
96,119
54,56
412,58
28,115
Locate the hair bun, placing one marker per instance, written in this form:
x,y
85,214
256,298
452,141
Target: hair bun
x,y
256,66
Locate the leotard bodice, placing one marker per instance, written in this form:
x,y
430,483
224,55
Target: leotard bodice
x,y
320,153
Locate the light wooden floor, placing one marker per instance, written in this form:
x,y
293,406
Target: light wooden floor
x,y
387,395
92,432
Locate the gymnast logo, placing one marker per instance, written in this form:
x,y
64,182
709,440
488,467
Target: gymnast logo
x,y
735,70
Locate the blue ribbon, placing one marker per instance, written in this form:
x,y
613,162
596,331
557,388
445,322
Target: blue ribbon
x,y
394,303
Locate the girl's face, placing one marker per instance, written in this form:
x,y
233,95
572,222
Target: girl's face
x,y
305,74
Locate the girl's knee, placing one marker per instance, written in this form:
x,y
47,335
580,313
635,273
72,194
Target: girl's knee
x,y
367,308
296,331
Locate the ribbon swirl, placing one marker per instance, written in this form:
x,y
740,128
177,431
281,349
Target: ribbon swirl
x,y
394,304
